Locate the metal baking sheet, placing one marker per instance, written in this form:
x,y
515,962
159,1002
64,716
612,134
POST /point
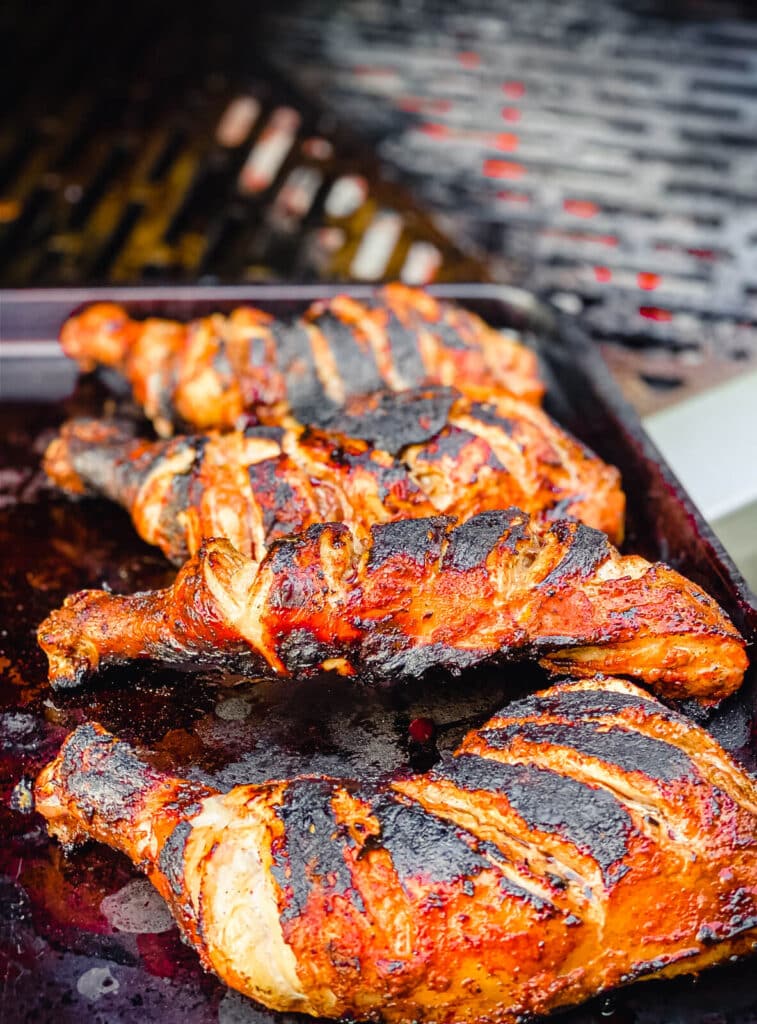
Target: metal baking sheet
x,y
84,937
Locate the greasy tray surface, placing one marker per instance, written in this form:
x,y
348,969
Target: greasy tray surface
x,y
84,937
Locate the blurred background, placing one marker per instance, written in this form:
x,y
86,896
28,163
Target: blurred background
x,y
601,154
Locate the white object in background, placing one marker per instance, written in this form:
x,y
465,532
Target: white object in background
x,y
738,532
421,263
376,246
270,151
297,193
237,121
710,442
347,194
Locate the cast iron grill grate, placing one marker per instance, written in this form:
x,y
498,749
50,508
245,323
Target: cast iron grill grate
x,y
161,149
604,156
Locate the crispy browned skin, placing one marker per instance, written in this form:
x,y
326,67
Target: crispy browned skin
x,y
581,839
250,486
265,482
207,373
423,593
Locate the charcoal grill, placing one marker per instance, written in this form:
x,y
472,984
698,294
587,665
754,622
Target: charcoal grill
x,y
603,153
154,144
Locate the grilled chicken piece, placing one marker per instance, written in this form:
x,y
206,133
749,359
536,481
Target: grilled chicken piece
x,y
583,838
250,486
262,483
422,594
209,372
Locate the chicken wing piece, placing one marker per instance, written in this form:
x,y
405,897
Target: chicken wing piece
x,y
583,838
209,372
423,594
265,482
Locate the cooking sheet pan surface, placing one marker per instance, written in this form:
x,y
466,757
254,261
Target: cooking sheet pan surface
x,y
84,937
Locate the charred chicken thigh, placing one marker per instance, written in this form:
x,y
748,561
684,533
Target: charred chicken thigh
x,y
422,593
265,482
581,839
207,373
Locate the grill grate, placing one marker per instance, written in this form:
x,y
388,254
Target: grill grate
x,y
149,151
602,155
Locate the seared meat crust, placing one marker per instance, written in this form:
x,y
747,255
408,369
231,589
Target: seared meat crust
x,y
583,838
266,482
423,593
208,373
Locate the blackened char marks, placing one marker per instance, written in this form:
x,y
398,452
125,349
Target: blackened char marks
x,y
198,444
106,469
471,543
257,353
355,365
588,549
406,355
487,414
172,532
424,846
447,444
302,651
311,851
393,654
562,508
221,363
629,750
449,335
165,389
265,433
394,420
185,492
171,860
286,552
295,360
100,474
178,501
387,477
638,970
591,818
103,774
574,703
419,540
282,509
544,907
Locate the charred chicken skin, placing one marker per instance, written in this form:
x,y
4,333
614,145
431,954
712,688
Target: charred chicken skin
x,y
265,482
208,373
421,593
581,839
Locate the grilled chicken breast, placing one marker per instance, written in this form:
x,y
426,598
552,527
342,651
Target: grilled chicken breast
x,y
265,482
423,593
208,373
581,839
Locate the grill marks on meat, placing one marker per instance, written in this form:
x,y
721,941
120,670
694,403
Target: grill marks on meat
x,y
491,456
517,877
262,483
207,373
250,486
419,594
